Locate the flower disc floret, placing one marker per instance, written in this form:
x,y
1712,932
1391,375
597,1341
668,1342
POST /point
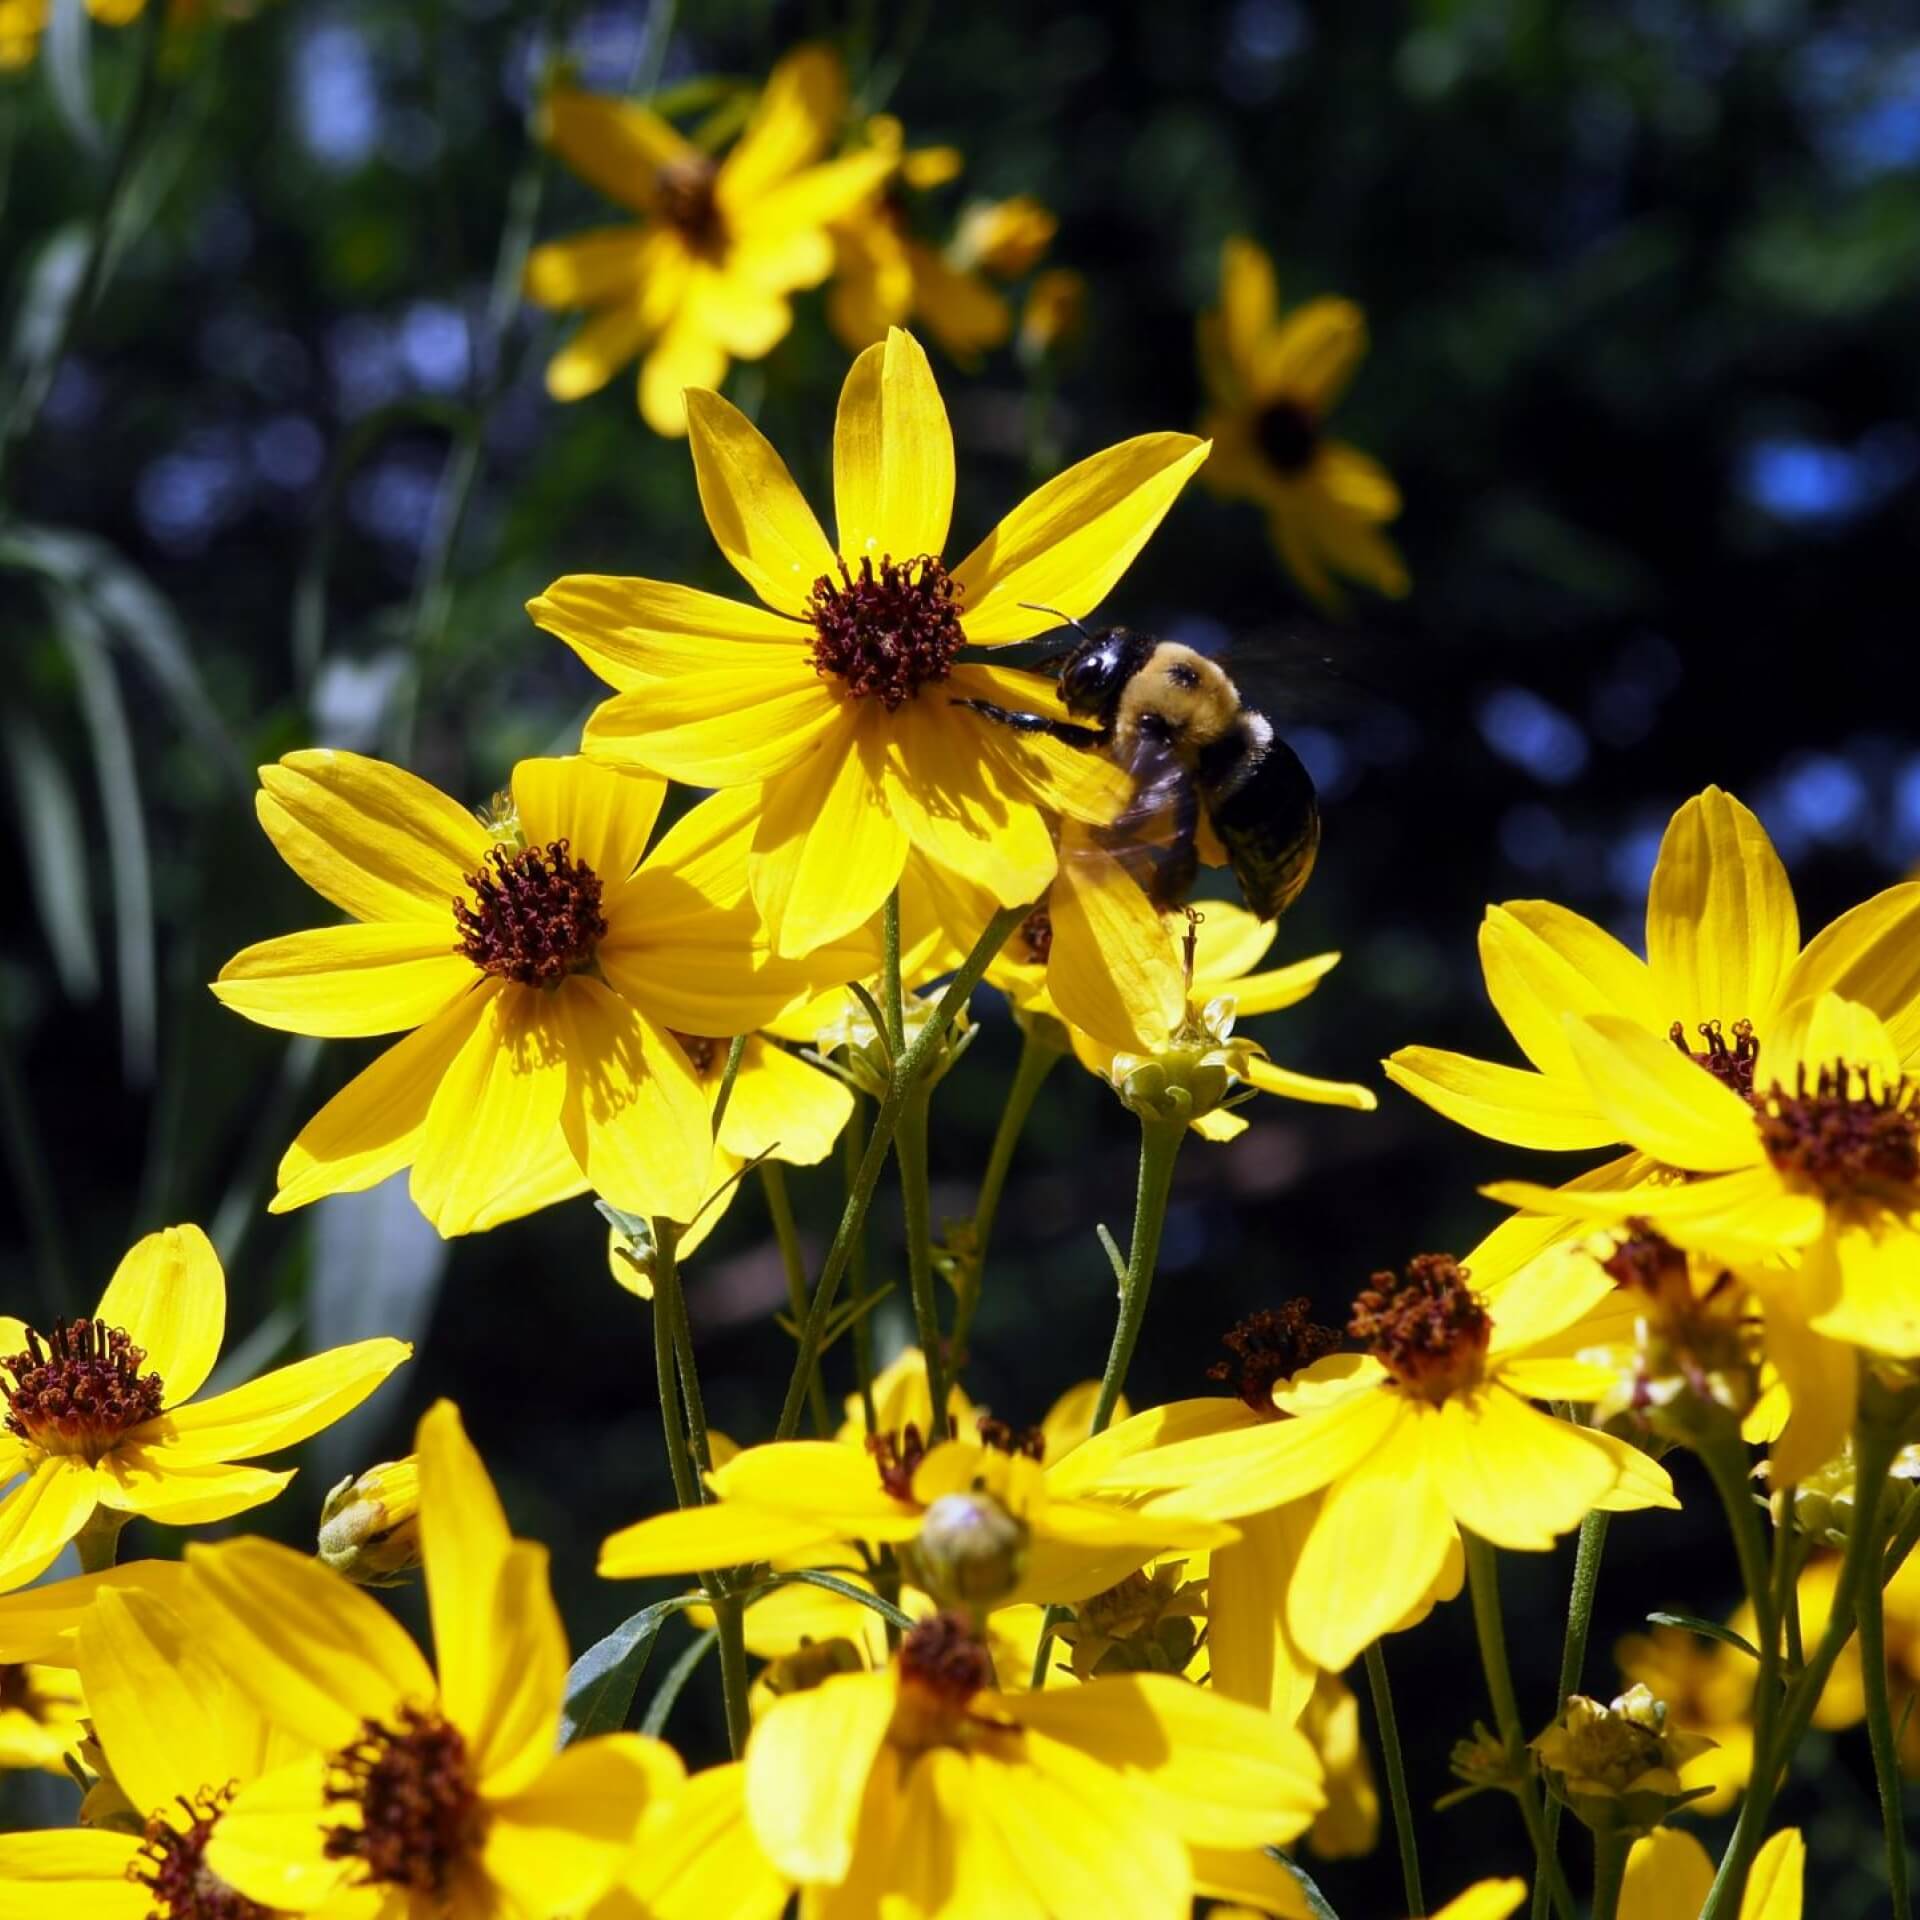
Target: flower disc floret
x,y
1733,1066
945,1658
1836,1131
1288,434
1429,1329
886,634
79,1389
1270,1346
688,204
171,1864
897,1456
419,1811
536,915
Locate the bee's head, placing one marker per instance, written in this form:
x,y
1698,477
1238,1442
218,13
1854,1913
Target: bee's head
x,y
1099,667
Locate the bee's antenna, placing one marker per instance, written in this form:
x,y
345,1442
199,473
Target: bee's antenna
x,y
1032,607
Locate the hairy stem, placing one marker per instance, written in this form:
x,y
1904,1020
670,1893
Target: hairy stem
x,y
1886,1746
1396,1780
1573,1656
786,1230
1160,1142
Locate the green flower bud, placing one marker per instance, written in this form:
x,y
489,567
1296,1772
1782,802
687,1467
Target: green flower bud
x,y
1147,1623
370,1525
970,1552
1824,1502
868,1061
1618,1766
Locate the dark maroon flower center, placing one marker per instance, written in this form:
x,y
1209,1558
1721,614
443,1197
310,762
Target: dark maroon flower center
x,y
944,1657
886,634
685,196
898,1456
78,1389
1268,1347
1835,1131
1288,435
1733,1066
172,1864
1004,1437
535,916
419,1813
1036,936
1427,1328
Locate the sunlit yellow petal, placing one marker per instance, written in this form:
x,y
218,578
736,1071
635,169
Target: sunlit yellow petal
x,y
1504,1103
599,347
1289,1085
687,358
784,1107
1253,1656
807,1770
1065,545
1488,1900
1112,970
1255,1877
1278,987
1878,1255
1821,1378
344,982
633,632
697,1859
721,727
279,1409
270,1844
1659,1099
1668,1877
725,1533
892,456
183,1493
603,813
822,1481
78,1875
1543,962
169,1294
1870,954
1775,1881
41,1514
39,1624
1510,1473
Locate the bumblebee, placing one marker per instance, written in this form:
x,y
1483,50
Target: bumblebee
x,y
1174,720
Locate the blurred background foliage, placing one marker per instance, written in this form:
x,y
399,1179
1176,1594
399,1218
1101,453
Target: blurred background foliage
x,y
1642,280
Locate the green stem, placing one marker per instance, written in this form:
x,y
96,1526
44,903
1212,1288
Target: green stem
x,y
910,1153
1573,1656
729,1618
786,1230
1483,1582
736,1049
1160,1142
1037,1060
1609,1870
893,997
666,1367
98,1541
1396,1780
1886,1746
907,1069
853,1149
670,1295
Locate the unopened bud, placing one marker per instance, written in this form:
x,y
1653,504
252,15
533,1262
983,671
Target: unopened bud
x,y
868,1060
1824,1502
370,1525
970,1552
1618,1765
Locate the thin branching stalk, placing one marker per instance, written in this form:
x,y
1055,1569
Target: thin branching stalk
x,y
910,1153
786,1230
853,1150
1402,1805
1160,1142
666,1368
1573,1656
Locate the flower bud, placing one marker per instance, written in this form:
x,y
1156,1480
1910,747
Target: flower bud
x,y
970,1552
868,1060
1618,1766
631,1252
370,1525
1824,1502
1147,1623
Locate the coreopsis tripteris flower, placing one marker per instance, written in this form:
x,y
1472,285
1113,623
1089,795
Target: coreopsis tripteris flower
x,y
1669,1876
1617,1763
41,1710
101,1413
419,1797
1271,382
707,275
1484,1900
541,962
843,696
1431,1430
926,1789
1723,961
1151,999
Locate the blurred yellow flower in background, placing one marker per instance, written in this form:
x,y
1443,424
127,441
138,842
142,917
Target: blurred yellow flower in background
x,y
705,278
839,700
101,1419
41,1710
1271,382
1669,1875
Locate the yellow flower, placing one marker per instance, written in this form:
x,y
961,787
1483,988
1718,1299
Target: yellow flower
x,y
101,1414
1271,382
40,1714
1617,1764
179,1740
706,276
1708,1688
370,1525
695,1858
513,1826
1158,1026
927,1788
842,693
1723,961
1669,1876
22,22
544,967
1484,1900
1055,313
1429,1432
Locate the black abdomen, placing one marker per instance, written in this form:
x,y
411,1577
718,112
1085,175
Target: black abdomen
x,y
1267,815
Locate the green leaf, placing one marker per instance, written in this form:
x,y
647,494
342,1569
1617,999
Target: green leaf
x,y
846,1589
56,850
675,1683
1713,1631
67,49
1317,1902
1113,1256
602,1682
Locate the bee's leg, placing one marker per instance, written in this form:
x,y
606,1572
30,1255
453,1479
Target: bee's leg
x,y
1063,730
1179,865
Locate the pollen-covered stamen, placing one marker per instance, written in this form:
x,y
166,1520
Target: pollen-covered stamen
x,y
1004,1437
1647,1262
1841,1134
419,1812
78,1389
1035,936
943,1656
1288,434
1428,1328
898,1456
887,634
1268,1347
685,196
536,915
172,1865
1733,1066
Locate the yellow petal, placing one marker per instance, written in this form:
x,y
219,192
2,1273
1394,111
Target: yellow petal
x,y
798,112
1249,300
807,1769
1067,543
780,240
1275,989
754,509
784,1107
1822,1380
634,1116
1775,1881
79,1875
270,1844
892,456
588,269
723,727
496,1109
1668,1877
1112,971
39,1624
687,359
962,312
1659,1100
1255,1878
315,1653
1312,355
1356,481
375,840
1504,1103
1512,1474
1722,930
1543,962
169,1294
280,1409
371,1128
1217,1771
725,1533
345,982
823,1481
1253,1656
828,851
1076,782
1812,1034
634,632
615,145
697,1859
1301,1086
600,346
1878,1255
185,1493
1870,954
41,1514
1486,1900
604,814
704,853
